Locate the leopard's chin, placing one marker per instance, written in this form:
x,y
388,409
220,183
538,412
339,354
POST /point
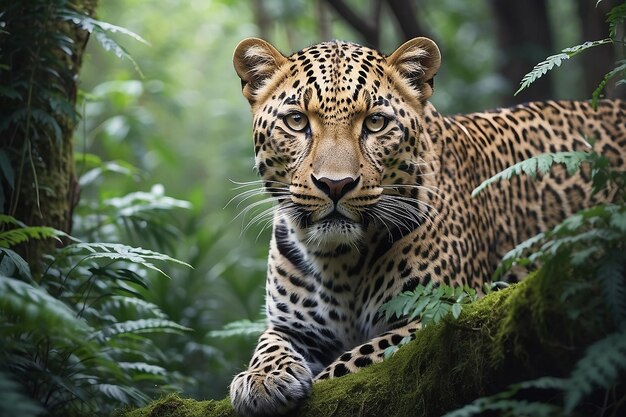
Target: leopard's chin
x,y
334,230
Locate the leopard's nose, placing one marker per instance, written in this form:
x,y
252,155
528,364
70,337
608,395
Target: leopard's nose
x,y
335,189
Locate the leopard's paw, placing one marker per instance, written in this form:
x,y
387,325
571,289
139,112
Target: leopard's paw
x,y
258,393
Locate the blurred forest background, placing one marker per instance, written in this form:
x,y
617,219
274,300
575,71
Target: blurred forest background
x,y
164,139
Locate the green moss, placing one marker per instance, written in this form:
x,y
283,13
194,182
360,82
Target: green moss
x,y
509,336
174,406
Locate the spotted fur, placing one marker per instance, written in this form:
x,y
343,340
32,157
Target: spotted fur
x,y
373,188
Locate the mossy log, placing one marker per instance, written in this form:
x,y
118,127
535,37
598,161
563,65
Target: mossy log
x,y
513,335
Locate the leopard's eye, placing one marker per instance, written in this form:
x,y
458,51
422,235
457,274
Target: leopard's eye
x,y
296,121
375,123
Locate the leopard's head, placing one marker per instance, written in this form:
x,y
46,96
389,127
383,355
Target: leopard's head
x,y
336,130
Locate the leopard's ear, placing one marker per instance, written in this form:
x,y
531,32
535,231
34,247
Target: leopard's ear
x,y
417,61
255,61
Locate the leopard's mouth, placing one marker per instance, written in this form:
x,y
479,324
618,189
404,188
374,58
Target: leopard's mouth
x,y
334,228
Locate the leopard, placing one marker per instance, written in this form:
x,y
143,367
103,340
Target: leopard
x,y
372,192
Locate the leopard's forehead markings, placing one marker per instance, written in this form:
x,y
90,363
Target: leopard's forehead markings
x,y
329,78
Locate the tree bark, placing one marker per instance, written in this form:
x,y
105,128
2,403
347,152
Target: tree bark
x,y
517,334
525,39
597,61
42,54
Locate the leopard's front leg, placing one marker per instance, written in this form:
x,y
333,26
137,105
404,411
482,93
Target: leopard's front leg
x,y
368,353
277,379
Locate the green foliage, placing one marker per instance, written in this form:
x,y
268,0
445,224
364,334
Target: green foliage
x,y
429,303
14,402
38,48
241,328
100,30
589,247
539,165
604,361
615,17
22,233
76,338
552,61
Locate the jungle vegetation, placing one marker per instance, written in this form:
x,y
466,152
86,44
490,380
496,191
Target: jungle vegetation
x,y
125,254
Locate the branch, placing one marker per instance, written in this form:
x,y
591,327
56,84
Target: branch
x,y
518,333
406,15
365,27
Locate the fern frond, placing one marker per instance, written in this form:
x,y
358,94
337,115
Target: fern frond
x,y
612,278
99,29
552,61
7,255
39,310
244,328
14,237
599,368
124,394
143,367
14,403
120,252
614,17
140,307
595,96
539,164
139,326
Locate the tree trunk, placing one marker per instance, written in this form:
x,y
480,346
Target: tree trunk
x,y
517,334
525,39
598,61
41,57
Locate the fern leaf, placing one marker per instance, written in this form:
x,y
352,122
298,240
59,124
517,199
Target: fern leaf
x,y
245,328
39,310
595,96
14,403
614,17
613,283
124,394
120,252
99,29
552,61
139,326
17,261
599,368
140,307
538,164
143,367
14,237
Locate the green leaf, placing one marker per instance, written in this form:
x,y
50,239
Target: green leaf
x,y
17,261
39,310
14,237
538,164
612,277
555,60
139,326
14,402
99,29
595,96
120,252
599,368
243,328
614,17
456,310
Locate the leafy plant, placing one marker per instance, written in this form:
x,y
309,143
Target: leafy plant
x,y
615,17
429,304
590,248
76,337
